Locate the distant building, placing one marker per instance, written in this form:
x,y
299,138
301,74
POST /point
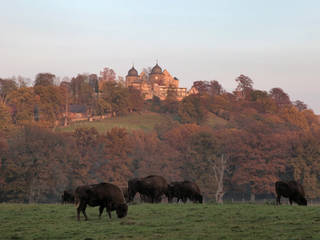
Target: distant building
x,y
157,83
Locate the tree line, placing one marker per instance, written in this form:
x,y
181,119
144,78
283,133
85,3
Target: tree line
x,y
262,137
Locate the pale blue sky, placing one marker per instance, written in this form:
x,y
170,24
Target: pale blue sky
x,y
276,43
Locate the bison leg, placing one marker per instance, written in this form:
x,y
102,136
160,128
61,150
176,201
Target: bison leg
x,y
78,213
82,208
184,199
278,200
109,208
101,210
290,201
84,212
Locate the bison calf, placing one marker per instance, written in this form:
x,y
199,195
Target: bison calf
x,y
104,195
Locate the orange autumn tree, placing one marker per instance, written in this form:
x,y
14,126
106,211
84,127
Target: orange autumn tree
x,y
150,156
260,158
116,162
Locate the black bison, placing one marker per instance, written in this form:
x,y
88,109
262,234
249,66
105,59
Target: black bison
x,y
152,187
184,190
104,195
148,199
67,196
292,190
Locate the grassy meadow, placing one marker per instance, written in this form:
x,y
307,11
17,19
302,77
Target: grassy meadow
x,y
162,221
134,121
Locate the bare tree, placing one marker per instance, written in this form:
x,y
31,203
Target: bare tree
x,y
219,166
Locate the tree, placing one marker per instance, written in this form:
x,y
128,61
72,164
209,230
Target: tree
x,y
258,159
304,162
208,161
50,105
150,155
135,100
191,110
94,82
117,96
5,117
44,79
201,87
245,85
116,162
6,86
23,102
263,102
300,105
280,97
38,165
215,88
106,75
83,89
170,104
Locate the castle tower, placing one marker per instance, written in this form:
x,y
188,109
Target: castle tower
x,y
156,75
132,77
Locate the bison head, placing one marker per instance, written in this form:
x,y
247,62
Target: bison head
x,y
199,198
303,201
122,210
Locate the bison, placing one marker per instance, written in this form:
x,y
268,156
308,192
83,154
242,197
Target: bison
x,y
152,186
104,195
67,196
184,190
292,190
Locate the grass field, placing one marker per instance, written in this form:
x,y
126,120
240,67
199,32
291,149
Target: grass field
x,y
162,221
133,121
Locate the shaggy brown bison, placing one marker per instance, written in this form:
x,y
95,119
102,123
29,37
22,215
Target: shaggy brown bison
x,y
105,195
184,190
67,196
292,190
152,186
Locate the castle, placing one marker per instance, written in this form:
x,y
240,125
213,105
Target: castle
x,y
157,83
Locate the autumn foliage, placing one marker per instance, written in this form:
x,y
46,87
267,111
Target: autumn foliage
x,y
255,138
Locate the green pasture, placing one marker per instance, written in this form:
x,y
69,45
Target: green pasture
x,y
133,121
162,221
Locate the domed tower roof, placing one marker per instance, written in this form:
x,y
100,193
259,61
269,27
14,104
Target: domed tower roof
x,y
156,69
133,72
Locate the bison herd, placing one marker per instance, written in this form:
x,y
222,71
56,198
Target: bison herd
x,y
151,189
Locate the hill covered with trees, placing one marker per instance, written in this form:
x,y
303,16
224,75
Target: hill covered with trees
x,y
233,144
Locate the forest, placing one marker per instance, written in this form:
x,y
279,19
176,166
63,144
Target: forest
x,y
261,137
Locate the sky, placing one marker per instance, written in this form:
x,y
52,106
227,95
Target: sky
x,y
275,43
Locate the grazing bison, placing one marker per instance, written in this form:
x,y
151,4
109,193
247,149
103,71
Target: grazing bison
x,y
292,190
105,195
184,190
67,196
152,186
147,199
